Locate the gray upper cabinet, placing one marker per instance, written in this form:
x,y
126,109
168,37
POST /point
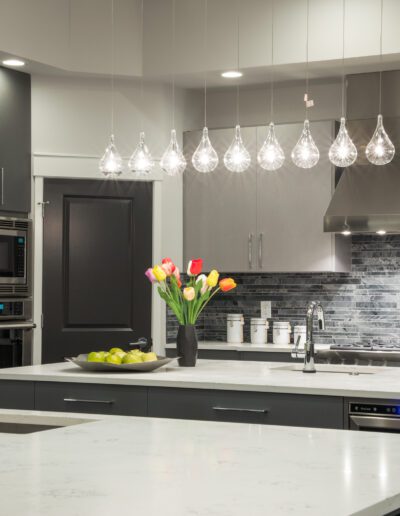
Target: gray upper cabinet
x,y
15,141
261,220
219,208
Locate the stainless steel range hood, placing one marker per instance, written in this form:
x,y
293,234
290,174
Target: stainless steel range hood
x,y
367,197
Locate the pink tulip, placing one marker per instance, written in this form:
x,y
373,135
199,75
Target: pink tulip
x,y
177,275
150,275
168,266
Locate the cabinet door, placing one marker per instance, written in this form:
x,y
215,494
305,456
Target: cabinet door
x,y
219,207
16,394
15,141
291,206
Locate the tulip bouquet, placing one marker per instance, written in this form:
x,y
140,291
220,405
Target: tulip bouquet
x,y
187,303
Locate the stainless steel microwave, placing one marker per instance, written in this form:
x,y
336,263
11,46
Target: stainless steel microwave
x,y
15,256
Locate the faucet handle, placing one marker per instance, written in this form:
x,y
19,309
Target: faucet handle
x,y
321,317
296,353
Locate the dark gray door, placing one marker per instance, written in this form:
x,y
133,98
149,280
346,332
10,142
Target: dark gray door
x,y
97,245
15,141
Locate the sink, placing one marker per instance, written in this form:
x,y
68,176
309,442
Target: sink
x,y
331,368
28,424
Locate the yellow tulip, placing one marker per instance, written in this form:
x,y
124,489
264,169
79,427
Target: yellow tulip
x,y
212,278
188,293
159,273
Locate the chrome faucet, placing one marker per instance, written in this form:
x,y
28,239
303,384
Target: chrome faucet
x,y
309,350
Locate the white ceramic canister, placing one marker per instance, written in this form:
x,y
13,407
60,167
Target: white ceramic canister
x,y
258,330
281,333
234,323
300,331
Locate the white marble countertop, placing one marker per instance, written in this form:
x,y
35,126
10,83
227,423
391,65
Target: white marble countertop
x,y
231,375
152,467
246,346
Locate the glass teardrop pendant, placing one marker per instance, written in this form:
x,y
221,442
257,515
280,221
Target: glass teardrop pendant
x,y
111,162
380,149
173,162
342,152
205,159
271,155
141,162
305,153
237,157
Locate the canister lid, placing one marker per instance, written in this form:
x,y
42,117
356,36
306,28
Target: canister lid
x,y
258,320
234,317
281,324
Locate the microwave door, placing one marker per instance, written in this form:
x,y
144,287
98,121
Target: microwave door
x,y
12,257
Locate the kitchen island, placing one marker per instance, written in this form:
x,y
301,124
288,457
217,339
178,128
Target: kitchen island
x,y
151,467
234,391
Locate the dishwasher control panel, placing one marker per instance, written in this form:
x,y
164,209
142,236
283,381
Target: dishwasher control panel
x,y
377,409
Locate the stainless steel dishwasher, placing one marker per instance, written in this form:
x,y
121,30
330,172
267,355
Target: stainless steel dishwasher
x,y
373,416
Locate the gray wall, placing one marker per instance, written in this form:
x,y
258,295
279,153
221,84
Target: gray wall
x,y
361,306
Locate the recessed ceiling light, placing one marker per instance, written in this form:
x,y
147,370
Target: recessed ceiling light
x,y
381,232
346,232
232,74
13,62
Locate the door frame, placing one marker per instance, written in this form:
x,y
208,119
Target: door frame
x,y
46,166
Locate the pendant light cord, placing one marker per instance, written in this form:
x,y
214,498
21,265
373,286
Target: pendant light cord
x,y
307,71
205,60
344,107
112,67
238,59
381,60
173,64
272,62
141,75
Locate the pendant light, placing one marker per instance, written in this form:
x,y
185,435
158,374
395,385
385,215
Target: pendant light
x,y
343,152
141,162
305,154
111,162
205,159
173,161
237,157
271,155
380,150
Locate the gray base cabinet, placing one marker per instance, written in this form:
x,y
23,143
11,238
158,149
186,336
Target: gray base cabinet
x,y
247,407
91,398
17,395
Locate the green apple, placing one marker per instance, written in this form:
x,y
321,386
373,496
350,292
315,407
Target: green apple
x,y
104,354
95,356
149,357
131,358
116,350
113,359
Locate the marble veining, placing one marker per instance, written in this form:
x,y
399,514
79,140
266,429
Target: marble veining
x,y
361,306
152,467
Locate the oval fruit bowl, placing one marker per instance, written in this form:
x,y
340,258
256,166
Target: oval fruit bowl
x,y
143,367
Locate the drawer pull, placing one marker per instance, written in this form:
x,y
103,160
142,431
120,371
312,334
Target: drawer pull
x,y
234,409
75,400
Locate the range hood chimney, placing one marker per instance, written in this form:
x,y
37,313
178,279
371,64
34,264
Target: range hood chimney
x,y
367,197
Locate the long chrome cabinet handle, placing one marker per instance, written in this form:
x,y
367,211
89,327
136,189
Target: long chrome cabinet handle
x,y
250,249
2,186
260,250
234,409
76,400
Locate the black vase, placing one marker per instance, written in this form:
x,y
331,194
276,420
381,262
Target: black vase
x,y
186,344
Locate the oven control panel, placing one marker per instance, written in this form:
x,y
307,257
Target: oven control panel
x,y
15,309
378,409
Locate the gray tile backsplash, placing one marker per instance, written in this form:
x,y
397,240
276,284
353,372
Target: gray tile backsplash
x,y
361,306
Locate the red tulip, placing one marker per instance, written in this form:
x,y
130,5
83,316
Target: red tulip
x,y
195,267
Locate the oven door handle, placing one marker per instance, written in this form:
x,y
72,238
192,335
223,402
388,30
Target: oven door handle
x,y
375,423
17,326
